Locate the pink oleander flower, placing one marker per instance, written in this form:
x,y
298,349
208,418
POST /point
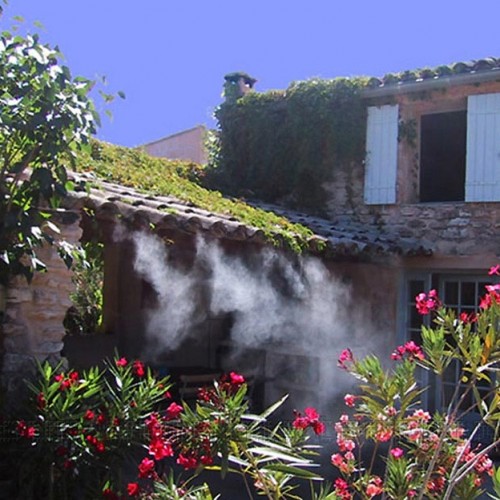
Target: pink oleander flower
x,y
342,489
374,487
425,303
494,270
456,432
410,349
236,378
346,356
382,435
397,452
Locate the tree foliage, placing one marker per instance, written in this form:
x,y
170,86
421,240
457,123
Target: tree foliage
x,y
45,116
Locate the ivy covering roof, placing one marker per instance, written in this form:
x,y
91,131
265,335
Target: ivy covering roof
x,y
127,184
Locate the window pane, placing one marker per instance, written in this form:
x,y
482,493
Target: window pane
x,y
416,319
451,293
469,294
415,287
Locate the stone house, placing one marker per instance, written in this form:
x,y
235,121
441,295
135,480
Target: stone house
x,y
421,212
431,174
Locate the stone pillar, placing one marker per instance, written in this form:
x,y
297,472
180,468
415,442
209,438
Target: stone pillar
x,y
33,323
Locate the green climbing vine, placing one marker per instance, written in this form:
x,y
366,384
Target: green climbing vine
x,y
283,145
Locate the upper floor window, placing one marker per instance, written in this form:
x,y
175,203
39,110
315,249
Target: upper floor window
x,y
442,156
459,153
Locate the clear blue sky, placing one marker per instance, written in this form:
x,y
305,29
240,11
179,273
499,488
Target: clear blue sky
x,y
170,56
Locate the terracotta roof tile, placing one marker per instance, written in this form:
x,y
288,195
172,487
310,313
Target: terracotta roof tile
x,y
112,201
487,68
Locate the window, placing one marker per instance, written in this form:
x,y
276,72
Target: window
x,y
442,156
459,153
459,292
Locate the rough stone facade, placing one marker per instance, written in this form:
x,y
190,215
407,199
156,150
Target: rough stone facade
x,y
452,228
33,324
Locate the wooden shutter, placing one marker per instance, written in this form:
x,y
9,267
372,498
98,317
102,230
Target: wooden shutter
x,y
381,155
482,178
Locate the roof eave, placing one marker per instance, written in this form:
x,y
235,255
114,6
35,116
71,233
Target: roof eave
x,y
432,83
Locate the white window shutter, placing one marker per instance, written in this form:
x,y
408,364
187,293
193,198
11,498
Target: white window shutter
x,y
381,155
482,177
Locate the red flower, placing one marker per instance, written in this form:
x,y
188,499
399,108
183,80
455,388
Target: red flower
x,y
89,415
160,449
146,468
110,494
139,369
300,422
187,462
24,430
318,427
311,419
40,401
96,443
236,378
173,411
66,382
206,460
468,318
101,418
121,362
350,400
133,489
61,451
68,464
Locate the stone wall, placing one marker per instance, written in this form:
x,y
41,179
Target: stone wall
x,y
33,324
186,145
451,228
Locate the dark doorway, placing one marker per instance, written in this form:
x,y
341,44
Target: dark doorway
x,y
442,156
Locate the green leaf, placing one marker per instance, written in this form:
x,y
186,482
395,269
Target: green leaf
x,y
293,471
269,411
273,454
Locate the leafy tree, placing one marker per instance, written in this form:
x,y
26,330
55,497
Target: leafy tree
x,y
45,116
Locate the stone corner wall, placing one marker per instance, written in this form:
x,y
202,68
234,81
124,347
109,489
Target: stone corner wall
x,y
33,323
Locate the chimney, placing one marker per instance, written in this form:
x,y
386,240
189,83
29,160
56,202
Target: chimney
x,y
237,84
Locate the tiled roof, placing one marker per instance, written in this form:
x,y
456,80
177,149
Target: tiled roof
x,y
488,68
111,201
351,234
